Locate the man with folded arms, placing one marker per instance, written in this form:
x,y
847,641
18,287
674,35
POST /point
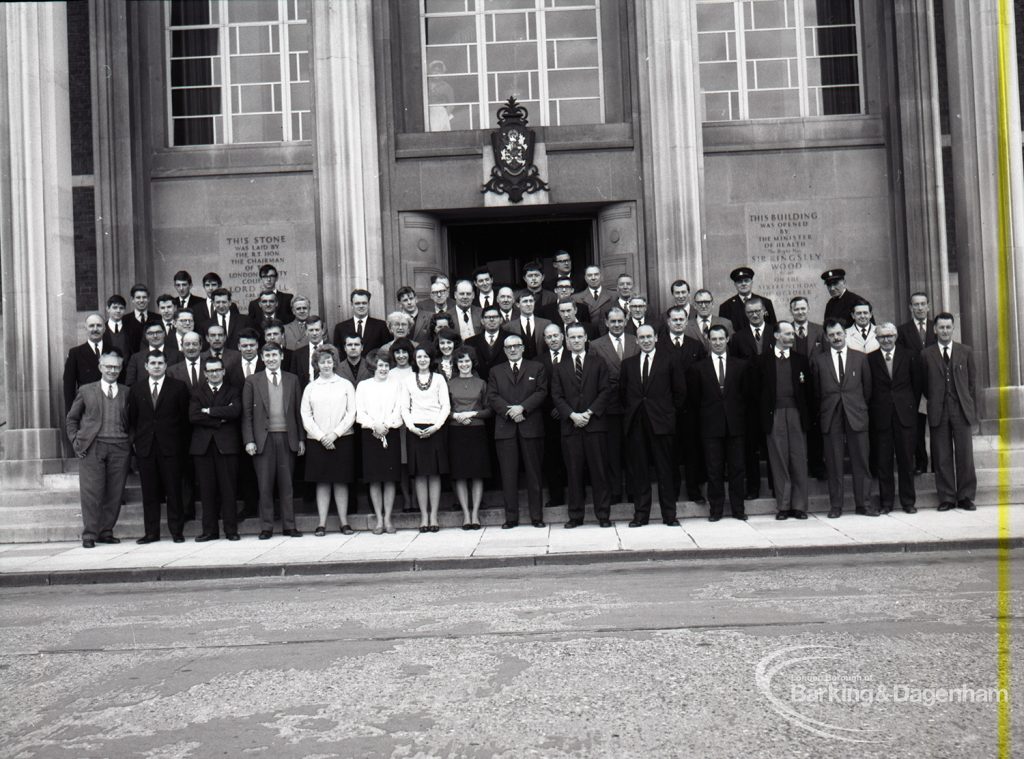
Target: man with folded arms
x,y
214,410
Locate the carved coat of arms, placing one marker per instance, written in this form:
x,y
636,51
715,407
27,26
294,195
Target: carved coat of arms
x,y
512,143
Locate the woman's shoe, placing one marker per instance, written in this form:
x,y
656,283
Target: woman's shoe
x,y
434,528
424,528
378,530
390,528
467,526
475,525
320,531
347,530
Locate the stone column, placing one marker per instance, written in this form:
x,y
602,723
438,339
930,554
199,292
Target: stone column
x,y
972,55
36,231
674,153
347,165
924,204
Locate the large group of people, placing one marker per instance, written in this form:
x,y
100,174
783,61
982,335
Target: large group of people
x,y
545,390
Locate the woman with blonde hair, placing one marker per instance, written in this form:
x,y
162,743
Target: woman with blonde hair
x,y
379,414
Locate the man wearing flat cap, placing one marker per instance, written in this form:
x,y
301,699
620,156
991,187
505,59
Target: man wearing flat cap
x,y
840,304
734,309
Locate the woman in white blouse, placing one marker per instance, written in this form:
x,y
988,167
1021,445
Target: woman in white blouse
x,y
425,409
328,412
379,413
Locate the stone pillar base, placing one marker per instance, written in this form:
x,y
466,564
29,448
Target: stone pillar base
x,y
1014,413
26,455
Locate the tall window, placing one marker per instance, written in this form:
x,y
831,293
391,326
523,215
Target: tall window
x,y
779,58
239,72
478,52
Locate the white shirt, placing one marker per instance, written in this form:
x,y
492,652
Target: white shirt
x,y
649,358
555,356
677,340
780,353
270,379
159,385
431,406
379,402
189,363
835,359
114,326
525,320
464,316
725,362
215,388
581,356
249,366
754,330
328,405
106,387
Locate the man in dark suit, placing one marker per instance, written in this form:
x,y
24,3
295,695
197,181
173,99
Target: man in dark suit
x,y
183,287
440,298
268,310
354,366
842,384
563,292
916,335
205,311
516,389
721,389
749,343
184,323
97,426
639,315
950,388
225,313
158,417
554,353
124,335
810,340
841,300
466,315
215,409
166,305
156,340
249,361
507,310
489,343
272,433
273,332
372,332
562,264
734,309
614,346
268,281
582,391
687,350
528,326
216,339
701,320
896,384
189,368
652,388
784,400
533,278
595,295
82,365
483,281
302,365
140,312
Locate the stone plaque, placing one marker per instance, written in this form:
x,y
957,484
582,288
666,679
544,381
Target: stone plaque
x,y
786,247
244,250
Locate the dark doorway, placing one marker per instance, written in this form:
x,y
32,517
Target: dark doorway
x,y
504,247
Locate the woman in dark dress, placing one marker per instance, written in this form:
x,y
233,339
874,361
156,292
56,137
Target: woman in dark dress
x,y
469,446
379,414
425,408
445,345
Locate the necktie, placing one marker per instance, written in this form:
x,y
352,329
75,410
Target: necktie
x,y
784,356
529,327
554,357
864,333
506,318
618,347
156,387
167,327
490,340
921,332
721,371
647,369
515,372
888,363
359,328
677,341
945,355
757,335
579,370
842,371
802,331
220,318
273,378
465,316
594,294
192,373
706,328
117,328
248,368
96,349
487,301
110,391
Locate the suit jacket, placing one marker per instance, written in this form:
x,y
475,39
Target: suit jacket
x,y
813,343
550,312
594,392
149,318
897,396
488,357
221,427
299,366
687,354
908,336
694,331
256,410
604,347
375,333
194,303
179,371
137,363
236,323
961,365
345,370
841,308
85,417
236,375
541,298
284,308
767,384
421,327
162,430
733,309
515,327
664,394
81,367
474,319
529,390
852,395
649,320
721,413
231,359
127,340
743,345
597,307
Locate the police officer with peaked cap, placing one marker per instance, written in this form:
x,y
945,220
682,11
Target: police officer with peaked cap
x,y
841,303
734,308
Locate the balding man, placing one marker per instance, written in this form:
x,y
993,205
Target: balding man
x,y
82,365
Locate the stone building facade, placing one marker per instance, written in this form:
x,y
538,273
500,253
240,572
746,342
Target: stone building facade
x,y
347,141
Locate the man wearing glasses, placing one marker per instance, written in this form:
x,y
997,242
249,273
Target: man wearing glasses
x,y
702,321
516,389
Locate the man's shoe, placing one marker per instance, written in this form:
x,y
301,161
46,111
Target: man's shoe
x,y
88,543
741,517
539,523
637,523
835,513
206,537
509,525
871,513
292,533
714,517
671,522
266,534
605,523
573,524
966,504
796,514
782,516
859,510
751,495
179,538
147,539
232,536
108,539
945,506
885,510
910,509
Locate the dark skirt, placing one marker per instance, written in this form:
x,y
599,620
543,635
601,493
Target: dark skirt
x,y
469,452
337,466
381,464
429,456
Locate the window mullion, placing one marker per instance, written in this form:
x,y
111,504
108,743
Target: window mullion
x,y
801,59
286,83
226,110
169,89
543,104
600,61
860,58
481,65
741,60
